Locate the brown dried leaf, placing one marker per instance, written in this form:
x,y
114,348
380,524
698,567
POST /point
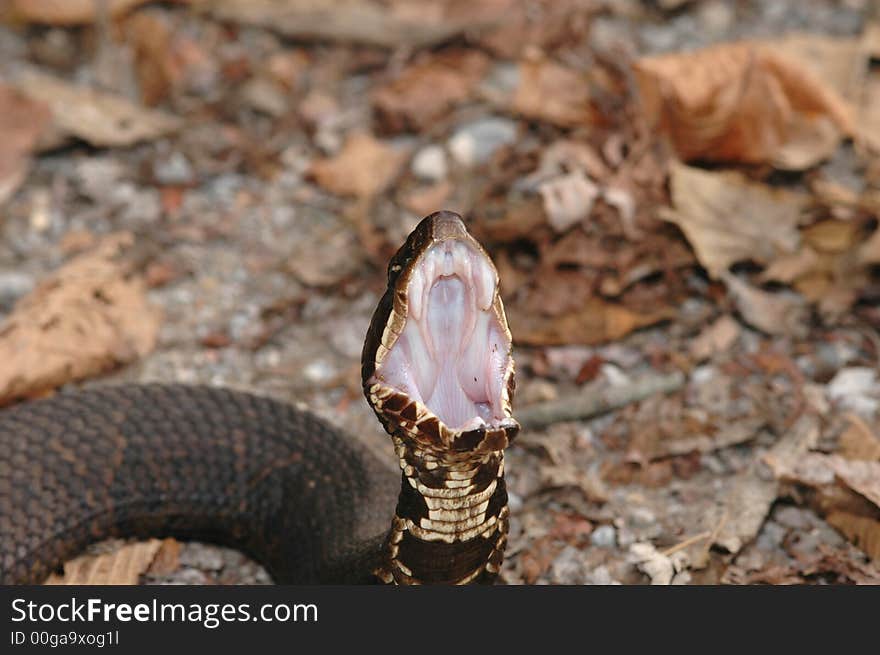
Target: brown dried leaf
x,y
716,338
167,558
427,90
122,566
858,441
407,23
102,119
568,199
69,12
729,219
22,121
774,313
862,531
596,321
364,167
738,102
551,92
89,316
424,200
750,497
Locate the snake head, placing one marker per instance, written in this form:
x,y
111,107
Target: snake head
x,y
437,366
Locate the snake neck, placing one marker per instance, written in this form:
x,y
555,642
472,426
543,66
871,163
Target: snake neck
x,y
451,521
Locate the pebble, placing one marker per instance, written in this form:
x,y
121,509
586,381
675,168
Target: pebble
x,y
605,536
429,164
202,557
174,169
642,517
476,142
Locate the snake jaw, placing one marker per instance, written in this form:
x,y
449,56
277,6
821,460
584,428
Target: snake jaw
x,y
442,362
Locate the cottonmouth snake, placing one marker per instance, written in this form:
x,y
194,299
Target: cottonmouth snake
x,y
297,494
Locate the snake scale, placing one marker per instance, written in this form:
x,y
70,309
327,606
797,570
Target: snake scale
x,y
298,495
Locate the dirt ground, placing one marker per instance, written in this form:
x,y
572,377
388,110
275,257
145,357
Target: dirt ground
x,y
265,175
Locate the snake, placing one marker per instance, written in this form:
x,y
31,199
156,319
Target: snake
x,y
308,501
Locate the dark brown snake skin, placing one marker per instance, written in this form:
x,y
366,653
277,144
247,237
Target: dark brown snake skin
x,y
308,502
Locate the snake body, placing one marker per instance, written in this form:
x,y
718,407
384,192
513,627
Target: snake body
x,y
304,499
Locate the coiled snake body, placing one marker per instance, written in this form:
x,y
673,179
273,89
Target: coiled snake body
x,y
301,497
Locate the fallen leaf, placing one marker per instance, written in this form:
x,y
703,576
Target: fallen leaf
x,y
661,569
425,200
566,475
859,441
568,199
427,90
552,93
739,102
166,559
69,12
862,531
751,494
410,23
89,316
716,338
596,321
22,121
364,167
541,25
101,119
774,313
122,566
728,219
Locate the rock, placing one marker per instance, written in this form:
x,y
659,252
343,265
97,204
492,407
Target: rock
x,y
605,536
429,164
201,556
568,567
174,169
476,142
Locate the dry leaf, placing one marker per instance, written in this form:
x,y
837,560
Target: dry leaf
x,y
364,167
862,531
553,93
774,313
69,12
738,102
568,199
858,441
716,338
424,200
22,121
750,497
411,23
729,219
167,558
123,566
89,316
662,569
427,90
567,475
595,322
101,119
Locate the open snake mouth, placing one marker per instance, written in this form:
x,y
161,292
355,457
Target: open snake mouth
x,y
452,353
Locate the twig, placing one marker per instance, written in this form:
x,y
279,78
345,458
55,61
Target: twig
x,y
687,542
593,402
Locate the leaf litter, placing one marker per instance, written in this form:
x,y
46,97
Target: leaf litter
x,y
702,291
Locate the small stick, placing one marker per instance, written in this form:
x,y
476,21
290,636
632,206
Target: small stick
x,y
593,402
687,542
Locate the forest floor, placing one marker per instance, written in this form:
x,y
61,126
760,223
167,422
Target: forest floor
x,y
683,194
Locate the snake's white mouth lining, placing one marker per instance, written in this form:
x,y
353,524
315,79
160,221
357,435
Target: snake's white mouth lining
x,y
453,352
